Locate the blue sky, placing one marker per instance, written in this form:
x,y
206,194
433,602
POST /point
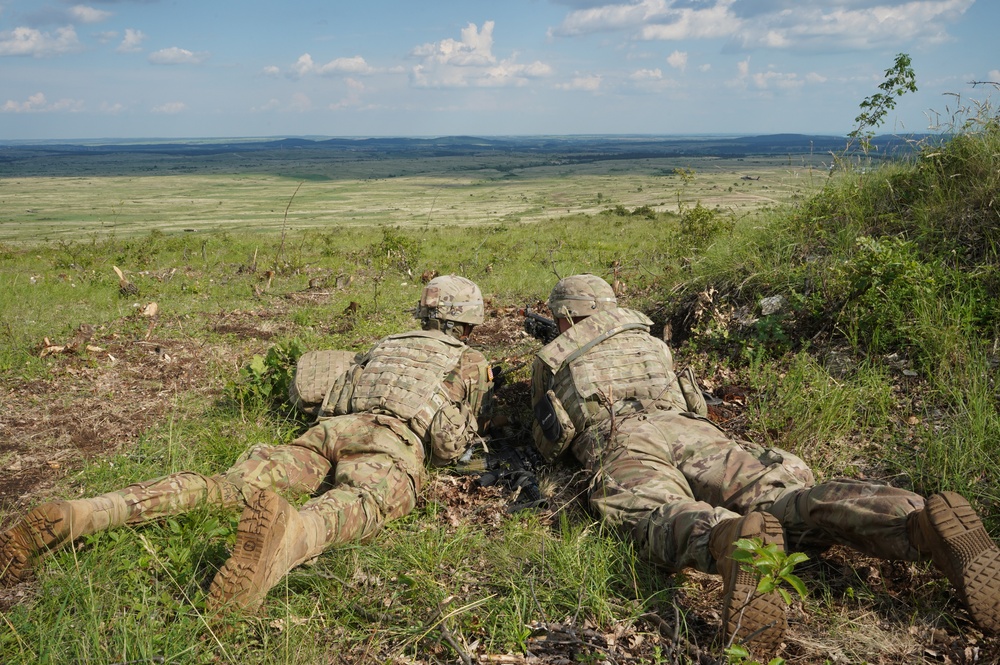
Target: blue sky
x,y
221,68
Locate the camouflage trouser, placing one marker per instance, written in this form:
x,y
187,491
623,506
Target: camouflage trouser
x,y
669,477
361,469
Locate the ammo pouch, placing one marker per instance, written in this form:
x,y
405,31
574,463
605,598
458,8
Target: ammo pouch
x,y
338,398
693,396
315,373
553,428
449,433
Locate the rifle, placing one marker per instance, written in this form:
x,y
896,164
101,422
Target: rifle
x,y
514,468
539,327
500,374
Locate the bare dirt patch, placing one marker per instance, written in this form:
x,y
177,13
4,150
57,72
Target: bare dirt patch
x,y
91,403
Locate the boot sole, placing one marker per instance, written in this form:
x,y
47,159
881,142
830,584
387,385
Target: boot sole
x,y
241,582
759,622
22,547
970,560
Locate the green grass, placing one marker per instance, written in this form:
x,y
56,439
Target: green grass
x,y
882,364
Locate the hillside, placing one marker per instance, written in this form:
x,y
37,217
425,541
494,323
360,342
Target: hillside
x,y
879,363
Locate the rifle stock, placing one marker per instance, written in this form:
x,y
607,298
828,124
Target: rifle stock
x,y
540,327
514,469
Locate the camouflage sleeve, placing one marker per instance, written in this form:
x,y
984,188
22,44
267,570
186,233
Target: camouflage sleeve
x,y
455,425
470,383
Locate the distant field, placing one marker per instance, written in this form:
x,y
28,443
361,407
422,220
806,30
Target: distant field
x,y
64,197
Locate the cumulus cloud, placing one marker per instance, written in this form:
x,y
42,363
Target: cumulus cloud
x,y
691,23
176,56
111,109
646,75
37,103
774,24
864,25
475,47
653,19
170,108
132,41
589,83
353,97
470,62
85,14
355,65
270,71
678,60
28,41
770,79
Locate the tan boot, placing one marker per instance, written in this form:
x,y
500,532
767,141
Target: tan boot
x,y
51,526
949,530
273,538
757,620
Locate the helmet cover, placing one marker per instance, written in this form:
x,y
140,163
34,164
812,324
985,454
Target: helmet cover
x,y
581,295
451,298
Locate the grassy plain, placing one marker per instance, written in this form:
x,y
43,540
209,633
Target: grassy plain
x,y
879,367
78,196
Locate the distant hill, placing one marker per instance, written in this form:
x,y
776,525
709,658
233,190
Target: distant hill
x,y
569,147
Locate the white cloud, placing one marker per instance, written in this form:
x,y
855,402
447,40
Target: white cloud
x,y
608,17
806,25
852,24
306,65
170,108
646,75
37,103
767,80
475,48
470,62
687,23
28,41
993,75
85,14
813,77
111,109
132,41
303,66
106,36
678,60
355,65
591,83
176,56
270,71
353,97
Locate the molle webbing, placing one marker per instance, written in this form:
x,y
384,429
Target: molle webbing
x,y
616,361
403,377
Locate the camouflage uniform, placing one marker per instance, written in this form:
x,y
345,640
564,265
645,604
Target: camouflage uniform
x,y
668,476
414,395
366,467
606,390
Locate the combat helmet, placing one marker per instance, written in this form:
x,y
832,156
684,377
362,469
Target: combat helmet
x,y
451,298
581,295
